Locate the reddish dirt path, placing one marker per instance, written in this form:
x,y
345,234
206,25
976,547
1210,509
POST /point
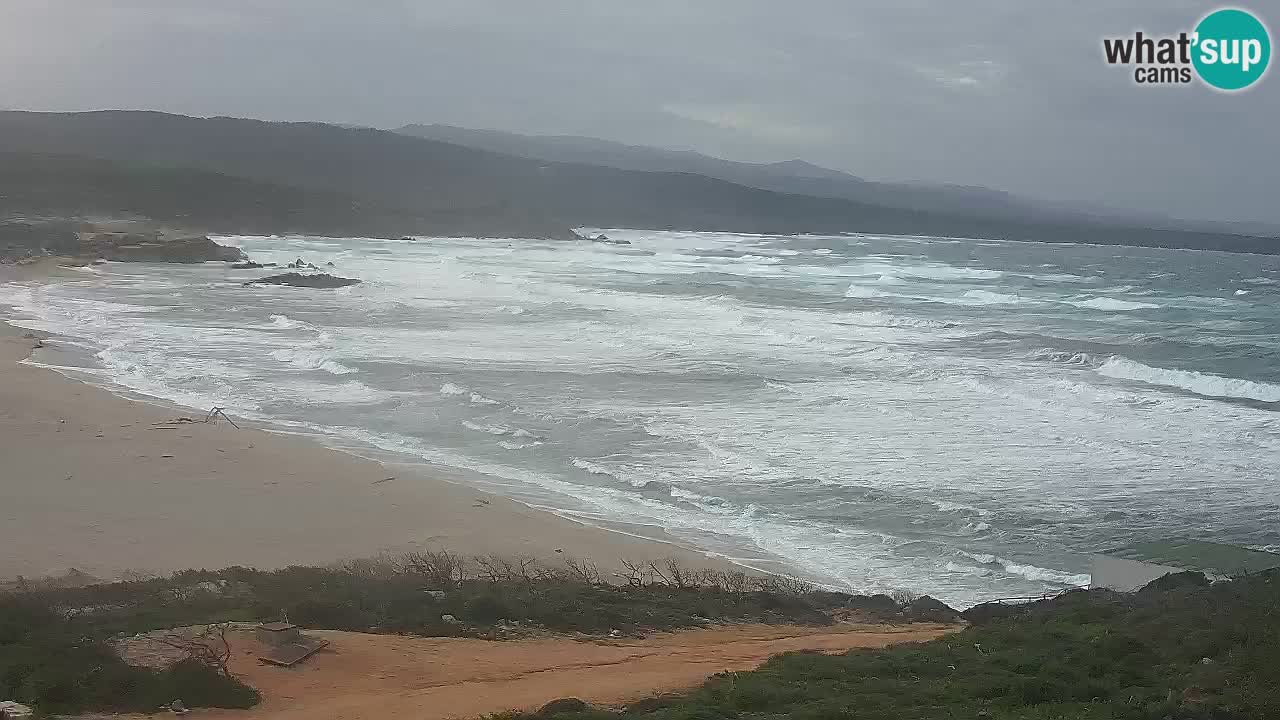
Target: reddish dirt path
x,y
387,676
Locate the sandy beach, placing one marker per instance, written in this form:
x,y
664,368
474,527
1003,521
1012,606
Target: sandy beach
x,y
108,486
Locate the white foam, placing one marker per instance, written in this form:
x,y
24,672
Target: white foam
x,y
1205,384
284,322
1039,574
312,360
490,429
949,506
860,291
986,297
926,271
1112,304
452,389
509,445
1031,572
591,467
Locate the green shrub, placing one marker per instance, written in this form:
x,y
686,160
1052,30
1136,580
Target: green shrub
x,y
1185,652
62,664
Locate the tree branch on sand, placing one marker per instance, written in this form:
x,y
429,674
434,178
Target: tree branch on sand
x,y
209,647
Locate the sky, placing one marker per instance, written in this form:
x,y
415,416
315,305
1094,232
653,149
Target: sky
x,y
1008,94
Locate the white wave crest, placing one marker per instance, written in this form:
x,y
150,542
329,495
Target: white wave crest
x,y
1039,574
284,322
986,297
312,360
861,291
1106,303
948,506
1122,368
509,445
490,429
1066,357
1030,572
454,390
590,467
927,271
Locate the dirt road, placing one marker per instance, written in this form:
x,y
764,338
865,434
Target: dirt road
x,y
384,676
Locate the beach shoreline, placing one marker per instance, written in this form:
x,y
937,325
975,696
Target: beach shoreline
x,y
114,487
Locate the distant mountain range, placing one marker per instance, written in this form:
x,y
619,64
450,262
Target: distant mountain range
x,y
796,177
227,174
804,178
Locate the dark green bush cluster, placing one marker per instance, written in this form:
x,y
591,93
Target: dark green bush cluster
x,y
63,664
1175,653
413,593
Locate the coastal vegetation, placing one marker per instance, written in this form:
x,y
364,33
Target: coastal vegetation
x,y
1180,649
56,642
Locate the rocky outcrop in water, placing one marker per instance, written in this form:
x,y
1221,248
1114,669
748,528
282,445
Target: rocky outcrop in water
x,y
153,247
317,280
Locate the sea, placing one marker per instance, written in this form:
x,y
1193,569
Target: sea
x,y
966,418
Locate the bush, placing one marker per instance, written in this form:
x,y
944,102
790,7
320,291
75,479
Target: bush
x,y
62,664
53,652
1088,655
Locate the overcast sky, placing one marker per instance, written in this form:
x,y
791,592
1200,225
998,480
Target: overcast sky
x,y
1011,94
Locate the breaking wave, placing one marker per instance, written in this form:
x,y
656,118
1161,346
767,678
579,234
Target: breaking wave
x,y
312,360
1199,383
1112,304
1030,572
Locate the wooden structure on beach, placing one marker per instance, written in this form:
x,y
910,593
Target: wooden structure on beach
x,y
286,644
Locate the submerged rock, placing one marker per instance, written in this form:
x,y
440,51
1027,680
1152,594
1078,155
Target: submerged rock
x,y
251,265
319,280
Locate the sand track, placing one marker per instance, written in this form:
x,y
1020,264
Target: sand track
x,y
387,676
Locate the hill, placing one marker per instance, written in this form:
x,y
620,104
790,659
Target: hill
x,y
799,177
519,196
72,186
796,177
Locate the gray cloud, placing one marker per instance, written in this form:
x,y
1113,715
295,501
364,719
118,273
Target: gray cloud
x,y
1012,95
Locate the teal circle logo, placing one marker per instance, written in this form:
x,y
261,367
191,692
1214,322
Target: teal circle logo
x,y
1232,49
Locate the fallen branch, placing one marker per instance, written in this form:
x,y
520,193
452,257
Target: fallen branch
x,y
216,413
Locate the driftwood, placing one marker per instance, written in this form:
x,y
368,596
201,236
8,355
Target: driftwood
x,y
216,413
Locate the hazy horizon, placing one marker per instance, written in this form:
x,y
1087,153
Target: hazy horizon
x,y
1009,98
